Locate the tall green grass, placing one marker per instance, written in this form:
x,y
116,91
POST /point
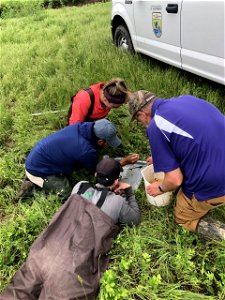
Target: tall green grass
x,y
45,58
21,8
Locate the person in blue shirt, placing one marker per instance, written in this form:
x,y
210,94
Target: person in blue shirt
x,y
69,149
187,140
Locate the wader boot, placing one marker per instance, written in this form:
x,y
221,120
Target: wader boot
x,y
209,228
59,185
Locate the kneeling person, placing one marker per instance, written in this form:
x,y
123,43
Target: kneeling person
x,y
52,160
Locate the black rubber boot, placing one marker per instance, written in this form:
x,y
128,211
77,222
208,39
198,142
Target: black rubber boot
x,y
211,229
26,190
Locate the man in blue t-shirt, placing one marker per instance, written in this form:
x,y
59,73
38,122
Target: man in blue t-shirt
x,y
187,139
69,149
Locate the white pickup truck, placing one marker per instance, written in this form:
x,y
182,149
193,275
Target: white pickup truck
x,y
188,34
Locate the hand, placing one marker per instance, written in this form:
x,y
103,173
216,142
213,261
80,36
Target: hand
x,y
129,159
149,160
121,187
153,189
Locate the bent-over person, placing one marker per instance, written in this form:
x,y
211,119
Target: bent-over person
x,y
187,138
69,257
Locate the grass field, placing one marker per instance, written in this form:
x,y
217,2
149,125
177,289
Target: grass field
x,y
45,58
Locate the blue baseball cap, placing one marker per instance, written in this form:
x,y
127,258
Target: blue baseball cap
x,y
105,130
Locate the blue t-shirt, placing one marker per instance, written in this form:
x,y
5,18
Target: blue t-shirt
x,y
189,133
69,149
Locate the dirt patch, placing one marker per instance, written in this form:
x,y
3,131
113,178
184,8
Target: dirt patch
x,y
2,216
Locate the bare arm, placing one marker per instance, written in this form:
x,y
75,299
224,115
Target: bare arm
x,y
171,182
129,159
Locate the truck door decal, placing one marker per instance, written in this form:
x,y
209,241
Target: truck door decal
x,y
157,23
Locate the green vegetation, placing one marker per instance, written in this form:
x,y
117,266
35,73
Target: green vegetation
x,y
19,8
11,8
45,58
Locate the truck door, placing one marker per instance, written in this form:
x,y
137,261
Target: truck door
x,y
157,26
202,38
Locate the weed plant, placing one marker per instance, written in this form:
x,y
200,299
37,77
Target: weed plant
x,y
45,58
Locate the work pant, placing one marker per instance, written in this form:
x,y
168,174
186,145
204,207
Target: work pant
x,y
188,212
57,184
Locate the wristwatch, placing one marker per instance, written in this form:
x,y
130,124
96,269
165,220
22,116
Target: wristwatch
x,y
161,190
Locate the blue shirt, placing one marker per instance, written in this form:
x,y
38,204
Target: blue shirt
x,y
69,149
189,133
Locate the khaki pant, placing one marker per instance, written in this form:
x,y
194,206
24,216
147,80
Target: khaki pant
x,y
188,212
36,180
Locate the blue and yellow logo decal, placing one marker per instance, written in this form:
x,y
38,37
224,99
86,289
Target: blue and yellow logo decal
x,y
157,24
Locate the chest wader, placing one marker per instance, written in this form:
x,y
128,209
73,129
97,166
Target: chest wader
x,y
68,259
59,185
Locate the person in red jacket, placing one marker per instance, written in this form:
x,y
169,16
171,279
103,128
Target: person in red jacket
x,y
96,102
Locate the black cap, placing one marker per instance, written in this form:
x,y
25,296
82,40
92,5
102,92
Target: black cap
x,y
108,170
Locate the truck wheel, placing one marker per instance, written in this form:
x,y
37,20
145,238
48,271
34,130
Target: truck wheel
x,y
122,39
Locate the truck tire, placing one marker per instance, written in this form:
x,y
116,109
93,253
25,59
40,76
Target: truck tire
x,y
122,39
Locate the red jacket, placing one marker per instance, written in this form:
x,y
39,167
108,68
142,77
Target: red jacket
x,y
82,103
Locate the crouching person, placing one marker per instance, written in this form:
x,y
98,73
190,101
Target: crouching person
x,y
69,257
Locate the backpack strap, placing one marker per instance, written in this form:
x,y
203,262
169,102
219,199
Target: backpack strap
x,y
102,198
91,108
86,185
83,187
